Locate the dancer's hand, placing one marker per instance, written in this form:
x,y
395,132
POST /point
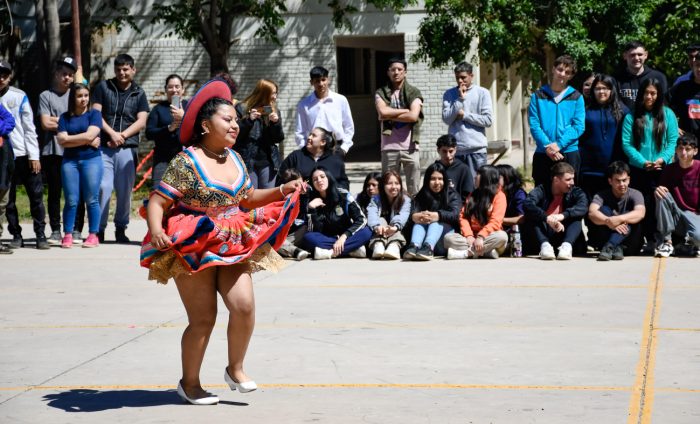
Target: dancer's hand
x,y
161,241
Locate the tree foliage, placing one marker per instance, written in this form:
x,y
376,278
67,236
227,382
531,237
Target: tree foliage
x,y
530,33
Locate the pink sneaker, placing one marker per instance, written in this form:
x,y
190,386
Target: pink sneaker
x,y
67,241
91,241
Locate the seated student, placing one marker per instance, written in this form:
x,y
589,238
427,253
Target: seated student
x,y
370,188
615,214
318,151
458,174
387,215
290,248
512,186
678,201
435,213
337,226
553,214
481,220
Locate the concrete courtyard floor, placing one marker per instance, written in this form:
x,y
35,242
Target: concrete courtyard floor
x,y
87,339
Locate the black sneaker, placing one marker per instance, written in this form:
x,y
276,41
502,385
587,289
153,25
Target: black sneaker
x,y
16,243
606,253
618,254
686,250
42,243
120,236
410,253
101,236
425,252
5,250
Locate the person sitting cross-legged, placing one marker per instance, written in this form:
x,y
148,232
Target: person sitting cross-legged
x,y
678,201
553,214
615,214
481,220
387,215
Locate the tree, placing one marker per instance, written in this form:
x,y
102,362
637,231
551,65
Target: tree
x,y
209,22
530,33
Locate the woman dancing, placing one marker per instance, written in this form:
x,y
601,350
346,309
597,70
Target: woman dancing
x,y
209,229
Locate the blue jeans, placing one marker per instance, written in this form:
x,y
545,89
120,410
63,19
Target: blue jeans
x,y
119,176
430,233
81,176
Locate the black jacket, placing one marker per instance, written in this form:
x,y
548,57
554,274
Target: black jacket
x,y
304,162
628,84
117,116
460,178
345,218
167,144
257,140
574,204
448,214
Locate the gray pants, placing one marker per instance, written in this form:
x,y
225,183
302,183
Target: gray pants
x,y
397,237
496,240
670,219
410,161
119,176
292,242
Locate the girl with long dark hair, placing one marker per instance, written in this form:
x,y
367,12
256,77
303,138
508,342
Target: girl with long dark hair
x,y
387,215
82,167
601,142
370,188
649,137
481,220
435,214
337,225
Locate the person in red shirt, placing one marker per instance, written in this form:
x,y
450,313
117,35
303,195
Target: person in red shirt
x,y
678,201
481,220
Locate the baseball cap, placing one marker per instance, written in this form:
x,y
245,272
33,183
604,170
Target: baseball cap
x,y
69,62
5,65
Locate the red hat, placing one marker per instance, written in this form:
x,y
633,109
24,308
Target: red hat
x,y
211,89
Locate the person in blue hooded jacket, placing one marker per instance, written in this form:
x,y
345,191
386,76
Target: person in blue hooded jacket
x,y
557,119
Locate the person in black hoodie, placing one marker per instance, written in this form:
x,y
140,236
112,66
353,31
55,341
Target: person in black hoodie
x,y
435,214
336,224
553,214
459,176
631,77
318,151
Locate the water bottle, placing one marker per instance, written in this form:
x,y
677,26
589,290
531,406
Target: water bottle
x,y
517,242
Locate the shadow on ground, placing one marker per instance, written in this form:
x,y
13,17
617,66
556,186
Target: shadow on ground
x,y
86,400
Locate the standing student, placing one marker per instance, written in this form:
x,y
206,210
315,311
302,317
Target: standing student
x,y
52,104
124,109
631,77
459,176
557,119
163,124
601,142
649,137
481,220
468,110
685,101
7,167
79,135
435,214
400,109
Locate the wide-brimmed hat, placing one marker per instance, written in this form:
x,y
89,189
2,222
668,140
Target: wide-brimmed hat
x,y
211,89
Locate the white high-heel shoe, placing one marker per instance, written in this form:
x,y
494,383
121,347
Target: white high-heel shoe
x,y
245,387
207,400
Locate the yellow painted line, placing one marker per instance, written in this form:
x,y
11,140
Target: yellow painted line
x,y
642,399
676,390
336,386
677,329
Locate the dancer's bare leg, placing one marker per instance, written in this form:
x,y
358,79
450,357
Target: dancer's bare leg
x,y
236,287
198,294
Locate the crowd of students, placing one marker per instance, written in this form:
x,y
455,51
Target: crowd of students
x,y
615,159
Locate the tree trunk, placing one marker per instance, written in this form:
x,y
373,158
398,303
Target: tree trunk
x,y
218,60
41,37
86,37
53,32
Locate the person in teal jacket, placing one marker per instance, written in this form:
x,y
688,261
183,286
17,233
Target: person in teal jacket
x,y
557,116
649,137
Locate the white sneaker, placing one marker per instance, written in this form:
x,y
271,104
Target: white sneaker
x,y
360,252
378,250
456,254
301,254
546,252
664,250
565,252
320,254
392,252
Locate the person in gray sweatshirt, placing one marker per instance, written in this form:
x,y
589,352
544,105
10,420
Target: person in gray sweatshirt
x,y
467,110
